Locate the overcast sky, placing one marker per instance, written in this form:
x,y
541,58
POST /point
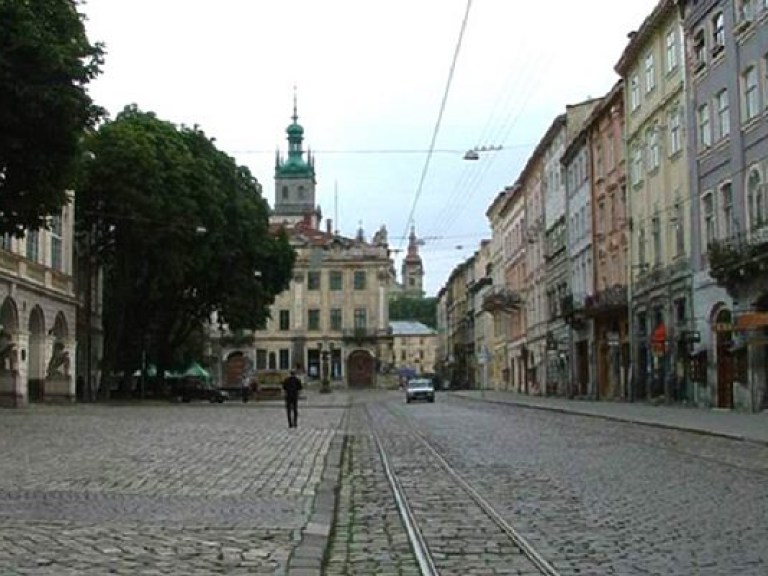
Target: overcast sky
x,y
370,77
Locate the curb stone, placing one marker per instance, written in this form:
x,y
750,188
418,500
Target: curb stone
x,y
560,409
310,554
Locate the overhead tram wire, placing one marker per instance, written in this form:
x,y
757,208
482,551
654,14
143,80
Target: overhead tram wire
x,y
449,220
506,95
491,133
456,52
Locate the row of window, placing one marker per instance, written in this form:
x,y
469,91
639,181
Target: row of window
x,y
336,280
709,39
671,63
645,156
266,360
676,231
752,92
32,245
719,221
335,319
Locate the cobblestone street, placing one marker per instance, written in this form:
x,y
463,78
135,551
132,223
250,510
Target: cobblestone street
x,y
592,496
229,489
157,489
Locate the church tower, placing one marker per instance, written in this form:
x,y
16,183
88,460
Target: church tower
x,y
295,180
413,270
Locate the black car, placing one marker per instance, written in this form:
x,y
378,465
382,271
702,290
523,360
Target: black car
x,y
194,389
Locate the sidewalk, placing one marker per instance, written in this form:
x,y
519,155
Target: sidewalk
x,y
725,423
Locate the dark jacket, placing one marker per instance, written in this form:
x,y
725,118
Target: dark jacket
x,y
291,386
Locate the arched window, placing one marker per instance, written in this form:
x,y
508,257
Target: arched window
x,y
301,193
286,194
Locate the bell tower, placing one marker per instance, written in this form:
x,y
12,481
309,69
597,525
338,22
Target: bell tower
x,y
412,269
295,179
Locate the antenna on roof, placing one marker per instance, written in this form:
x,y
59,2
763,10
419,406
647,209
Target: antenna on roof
x,y
336,206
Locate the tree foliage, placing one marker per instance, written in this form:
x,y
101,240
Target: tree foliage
x,y
181,232
46,62
422,310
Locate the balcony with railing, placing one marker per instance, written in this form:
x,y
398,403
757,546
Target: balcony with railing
x,y
606,301
502,299
739,260
364,334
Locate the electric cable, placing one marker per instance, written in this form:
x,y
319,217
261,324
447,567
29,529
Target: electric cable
x,y
436,130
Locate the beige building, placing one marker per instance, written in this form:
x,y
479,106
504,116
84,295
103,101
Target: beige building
x,y
651,67
38,313
414,347
334,318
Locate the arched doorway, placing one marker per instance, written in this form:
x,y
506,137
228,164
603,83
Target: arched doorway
x,y
724,358
360,365
58,381
36,356
9,354
237,366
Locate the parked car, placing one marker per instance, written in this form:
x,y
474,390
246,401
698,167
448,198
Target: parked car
x,y
419,389
195,389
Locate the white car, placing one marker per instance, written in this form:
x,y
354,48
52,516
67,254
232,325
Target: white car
x,y
419,389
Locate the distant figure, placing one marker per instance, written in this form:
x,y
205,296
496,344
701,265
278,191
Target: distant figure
x,y
291,387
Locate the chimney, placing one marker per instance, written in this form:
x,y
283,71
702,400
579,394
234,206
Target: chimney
x,y
329,225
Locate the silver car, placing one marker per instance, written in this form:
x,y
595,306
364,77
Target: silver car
x,y
419,389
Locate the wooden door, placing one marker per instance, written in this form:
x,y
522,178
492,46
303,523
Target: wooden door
x,y
360,369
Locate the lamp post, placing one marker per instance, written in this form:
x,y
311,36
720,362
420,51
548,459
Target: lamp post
x,y
325,383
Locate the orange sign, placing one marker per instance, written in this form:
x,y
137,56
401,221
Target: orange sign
x,y
752,321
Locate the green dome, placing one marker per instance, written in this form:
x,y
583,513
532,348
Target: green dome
x,y
295,130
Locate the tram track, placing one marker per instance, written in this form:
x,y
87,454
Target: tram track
x,y
423,544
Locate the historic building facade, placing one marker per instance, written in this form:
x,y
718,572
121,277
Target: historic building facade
x,y
608,306
727,43
414,347
556,260
38,310
332,323
651,67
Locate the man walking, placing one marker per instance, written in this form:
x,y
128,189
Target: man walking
x,y
291,387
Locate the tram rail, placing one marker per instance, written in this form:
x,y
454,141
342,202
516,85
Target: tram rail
x,y
419,543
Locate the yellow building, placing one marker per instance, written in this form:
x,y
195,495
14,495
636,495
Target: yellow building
x,y
333,321
658,203
414,347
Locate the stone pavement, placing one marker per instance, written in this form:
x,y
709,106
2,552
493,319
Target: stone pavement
x,y
713,422
166,489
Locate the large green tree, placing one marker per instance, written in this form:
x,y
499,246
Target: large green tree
x,y
422,310
181,231
46,62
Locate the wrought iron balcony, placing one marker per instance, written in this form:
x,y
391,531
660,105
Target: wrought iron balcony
x,y
611,299
502,300
740,259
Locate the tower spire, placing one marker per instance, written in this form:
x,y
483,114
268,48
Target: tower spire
x,y
295,116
